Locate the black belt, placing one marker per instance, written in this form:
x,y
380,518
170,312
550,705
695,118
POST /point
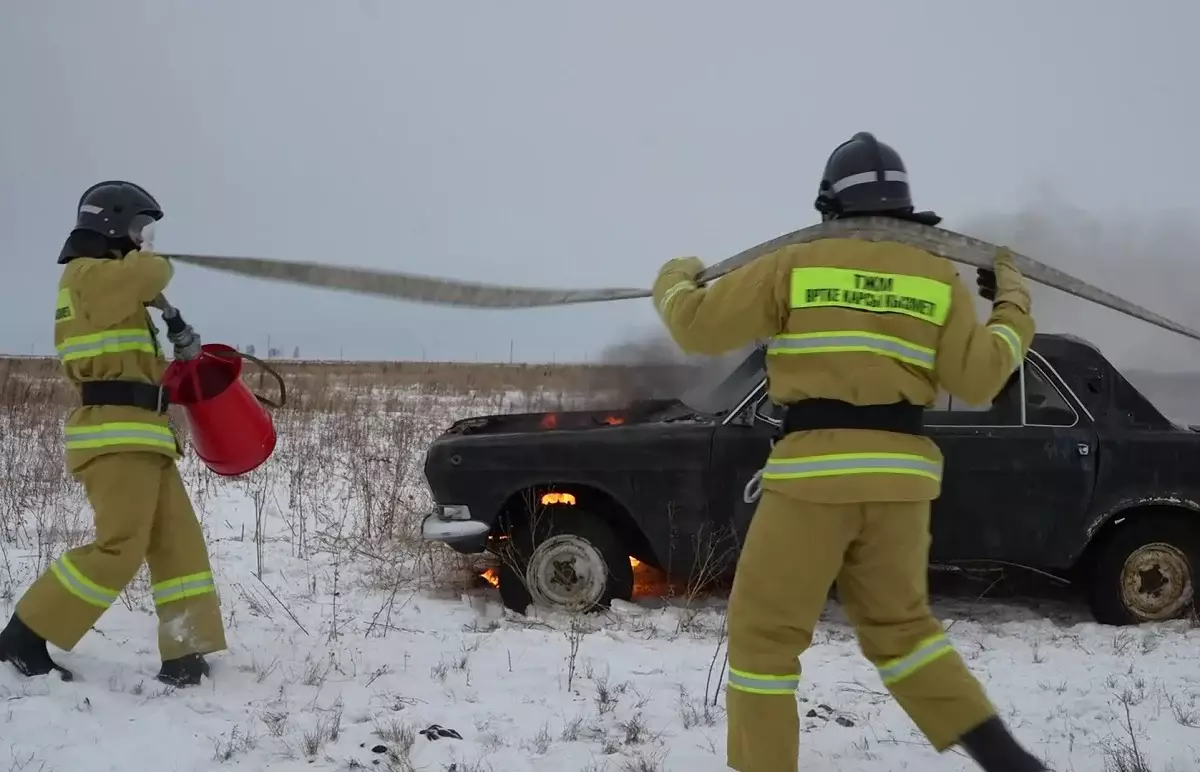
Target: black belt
x,y
126,394
809,414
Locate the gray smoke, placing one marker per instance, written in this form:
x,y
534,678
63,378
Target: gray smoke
x,y
1148,258
653,367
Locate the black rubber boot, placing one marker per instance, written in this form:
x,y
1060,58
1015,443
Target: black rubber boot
x,y
995,750
26,651
183,671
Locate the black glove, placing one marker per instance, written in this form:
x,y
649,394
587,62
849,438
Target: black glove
x,y
985,278
175,323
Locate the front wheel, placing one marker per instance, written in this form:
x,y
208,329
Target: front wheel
x,y
1145,571
570,560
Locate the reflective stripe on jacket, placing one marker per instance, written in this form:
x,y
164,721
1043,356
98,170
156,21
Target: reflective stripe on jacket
x,y
102,331
861,322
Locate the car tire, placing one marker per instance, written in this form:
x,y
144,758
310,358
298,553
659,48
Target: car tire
x,y
571,561
1145,571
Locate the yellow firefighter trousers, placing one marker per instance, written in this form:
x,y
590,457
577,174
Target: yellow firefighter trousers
x,y
878,554
142,510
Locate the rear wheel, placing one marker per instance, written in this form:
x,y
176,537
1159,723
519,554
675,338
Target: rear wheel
x,y
570,560
1145,570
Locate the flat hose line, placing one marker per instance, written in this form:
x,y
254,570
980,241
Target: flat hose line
x,y
449,292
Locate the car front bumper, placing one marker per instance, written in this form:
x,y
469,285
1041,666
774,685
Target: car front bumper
x,y
451,525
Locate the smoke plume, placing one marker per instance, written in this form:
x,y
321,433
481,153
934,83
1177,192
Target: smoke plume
x,y
653,367
1148,258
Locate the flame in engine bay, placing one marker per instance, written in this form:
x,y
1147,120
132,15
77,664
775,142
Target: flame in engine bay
x,y
550,420
558,497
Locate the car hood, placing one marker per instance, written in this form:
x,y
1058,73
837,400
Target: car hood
x,y
641,412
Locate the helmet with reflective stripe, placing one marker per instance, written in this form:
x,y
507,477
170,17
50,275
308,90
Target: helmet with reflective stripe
x,y
115,210
863,176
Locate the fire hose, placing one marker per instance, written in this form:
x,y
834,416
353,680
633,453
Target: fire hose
x,y
436,291
948,244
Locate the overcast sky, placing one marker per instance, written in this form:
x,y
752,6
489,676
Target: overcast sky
x,y
583,144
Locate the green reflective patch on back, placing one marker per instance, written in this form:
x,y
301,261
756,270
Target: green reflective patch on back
x,y
896,293
65,309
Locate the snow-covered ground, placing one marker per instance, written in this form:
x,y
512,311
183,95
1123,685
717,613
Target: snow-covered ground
x,y
344,648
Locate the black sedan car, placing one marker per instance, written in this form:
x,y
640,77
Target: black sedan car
x,y
1071,471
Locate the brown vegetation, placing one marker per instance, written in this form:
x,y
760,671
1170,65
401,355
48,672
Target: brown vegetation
x,y
346,478
312,381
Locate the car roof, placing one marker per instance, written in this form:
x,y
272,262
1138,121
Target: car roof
x,y
1059,344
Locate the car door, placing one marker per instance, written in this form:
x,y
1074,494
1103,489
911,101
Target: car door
x,y
1013,471
741,445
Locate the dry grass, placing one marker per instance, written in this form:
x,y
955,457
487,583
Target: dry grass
x,y
347,471
318,384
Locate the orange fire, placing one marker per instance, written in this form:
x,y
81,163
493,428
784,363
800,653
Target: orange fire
x,y
492,576
558,498
549,421
614,420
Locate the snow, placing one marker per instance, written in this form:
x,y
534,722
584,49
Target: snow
x,y
339,651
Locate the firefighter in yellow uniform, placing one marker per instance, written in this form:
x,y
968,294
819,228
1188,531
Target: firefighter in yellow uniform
x,y
860,336
120,447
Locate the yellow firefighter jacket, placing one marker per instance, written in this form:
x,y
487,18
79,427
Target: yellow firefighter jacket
x,y
862,322
102,331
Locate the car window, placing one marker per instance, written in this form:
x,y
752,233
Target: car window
x,y
1004,410
1044,404
724,381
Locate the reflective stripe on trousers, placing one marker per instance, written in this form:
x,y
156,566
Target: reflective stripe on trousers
x,y
74,582
119,433
1010,338
108,342
835,464
891,672
928,650
853,340
757,683
182,587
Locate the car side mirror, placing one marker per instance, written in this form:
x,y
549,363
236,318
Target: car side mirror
x,y
1035,400
767,412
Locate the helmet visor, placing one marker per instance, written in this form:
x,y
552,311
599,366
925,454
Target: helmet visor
x,y
141,231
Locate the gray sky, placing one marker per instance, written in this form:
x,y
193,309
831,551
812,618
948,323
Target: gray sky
x,y
580,144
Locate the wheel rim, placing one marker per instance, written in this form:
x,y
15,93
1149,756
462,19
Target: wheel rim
x,y
566,572
1156,582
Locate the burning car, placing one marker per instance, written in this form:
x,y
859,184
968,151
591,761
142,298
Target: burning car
x,y
1070,471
